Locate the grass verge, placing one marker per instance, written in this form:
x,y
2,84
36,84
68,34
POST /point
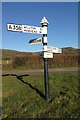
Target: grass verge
x,y
23,96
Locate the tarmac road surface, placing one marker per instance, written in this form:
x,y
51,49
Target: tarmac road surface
x,y
40,71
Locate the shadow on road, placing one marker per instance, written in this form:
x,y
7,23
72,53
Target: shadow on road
x,y
32,87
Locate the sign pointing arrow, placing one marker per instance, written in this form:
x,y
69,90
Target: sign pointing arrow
x,y
25,28
54,49
35,41
57,50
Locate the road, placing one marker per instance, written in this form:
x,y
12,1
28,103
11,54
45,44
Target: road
x,y
40,71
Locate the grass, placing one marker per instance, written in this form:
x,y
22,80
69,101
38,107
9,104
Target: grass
x,y
23,96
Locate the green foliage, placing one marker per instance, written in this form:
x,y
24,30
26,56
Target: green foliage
x,y
35,62
7,54
22,96
18,62
27,62
24,60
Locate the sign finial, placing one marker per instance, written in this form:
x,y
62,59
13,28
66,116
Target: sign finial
x,y
44,20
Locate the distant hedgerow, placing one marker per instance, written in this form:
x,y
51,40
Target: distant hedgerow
x,y
18,62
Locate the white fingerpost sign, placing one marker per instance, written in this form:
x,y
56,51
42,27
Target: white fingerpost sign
x,y
57,50
54,49
48,55
32,29
26,29
35,41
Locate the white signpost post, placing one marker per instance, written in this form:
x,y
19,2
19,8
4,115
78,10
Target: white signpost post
x,y
47,50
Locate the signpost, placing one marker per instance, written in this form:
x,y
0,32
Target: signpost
x,y
47,50
44,23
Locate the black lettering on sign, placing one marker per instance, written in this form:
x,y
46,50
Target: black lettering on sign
x,y
10,27
40,31
34,28
39,40
40,28
17,27
24,28
20,27
14,27
31,31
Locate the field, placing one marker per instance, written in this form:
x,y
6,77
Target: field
x,y
23,96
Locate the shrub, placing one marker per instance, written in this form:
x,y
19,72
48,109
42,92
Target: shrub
x,y
18,62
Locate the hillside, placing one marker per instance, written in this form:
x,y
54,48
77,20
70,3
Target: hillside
x,y
70,50
12,59
9,54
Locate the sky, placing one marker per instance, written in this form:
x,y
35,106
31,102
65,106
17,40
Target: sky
x,y
62,28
